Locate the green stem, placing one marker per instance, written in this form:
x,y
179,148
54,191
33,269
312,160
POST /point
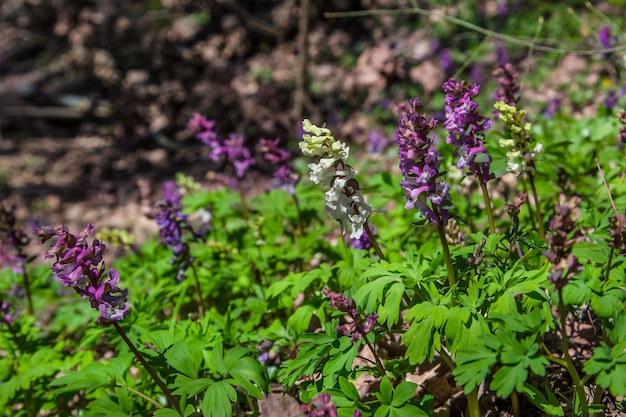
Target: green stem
x,y
569,363
531,178
446,254
299,211
29,297
373,241
379,364
144,396
202,305
472,403
515,404
483,187
244,204
149,369
460,22
608,264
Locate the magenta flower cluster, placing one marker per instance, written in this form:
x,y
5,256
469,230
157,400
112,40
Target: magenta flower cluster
x,y
80,266
172,227
419,164
232,148
357,328
280,158
466,127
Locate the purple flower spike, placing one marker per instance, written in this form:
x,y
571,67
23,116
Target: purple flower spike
x,y
237,154
356,329
232,148
283,174
204,129
466,127
563,235
605,38
419,164
80,266
172,227
377,141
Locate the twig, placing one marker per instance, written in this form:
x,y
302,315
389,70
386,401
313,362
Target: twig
x,y
507,38
303,37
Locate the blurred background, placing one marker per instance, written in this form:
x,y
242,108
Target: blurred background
x,y
95,95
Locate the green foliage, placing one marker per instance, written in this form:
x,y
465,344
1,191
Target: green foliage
x,y
251,310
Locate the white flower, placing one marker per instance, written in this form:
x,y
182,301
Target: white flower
x,y
343,198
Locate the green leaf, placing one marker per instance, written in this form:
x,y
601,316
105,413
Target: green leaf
x,y
474,363
165,412
550,405
94,375
185,357
301,319
386,391
218,399
348,389
382,295
609,367
403,393
250,376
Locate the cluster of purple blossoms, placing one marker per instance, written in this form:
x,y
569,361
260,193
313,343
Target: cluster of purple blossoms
x,y
322,406
232,149
81,267
377,141
563,235
362,242
419,164
604,36
356,329
7,315
172,227
508,89
12,242
466,128
283,174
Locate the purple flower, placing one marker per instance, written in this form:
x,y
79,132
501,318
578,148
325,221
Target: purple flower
x,y
466,127
419,164
377,141
508,89
502,9
563,235
447,62
502,57
280,158
232,148
204,129
605,38
362,242
552,107
7,315
172,227
80,266
320,406
356,329
237,154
